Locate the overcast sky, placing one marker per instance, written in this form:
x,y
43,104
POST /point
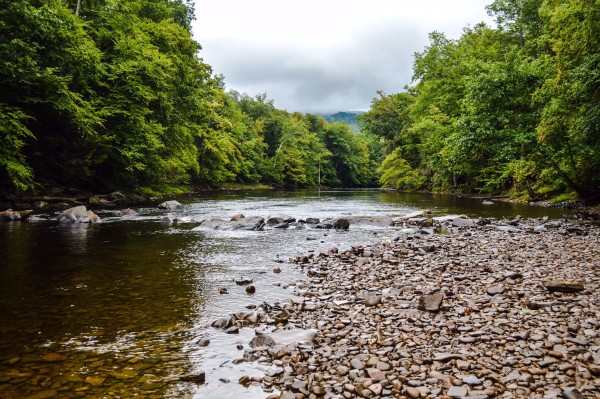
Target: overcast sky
x,y
326,55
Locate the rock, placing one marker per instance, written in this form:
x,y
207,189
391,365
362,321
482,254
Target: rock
x,y
199,377
313,221
415,214
463,222
237,218
263,340
487,203
569,393
373,300
277,220
357,364
563,286
255,223
376,374
99,201
78,214
232,330
497,289
95,380
293,336
128,213
448,218
457,392
243,281
221,323
471,380
9,215
204,342
445,357
171,206
223,291
250,289
245,380
412,392
341,224
277,270
92,217
431,302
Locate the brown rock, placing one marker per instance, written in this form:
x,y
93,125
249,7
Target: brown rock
x,y
431,302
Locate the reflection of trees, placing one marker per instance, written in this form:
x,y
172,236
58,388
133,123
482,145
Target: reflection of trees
x,y
103,280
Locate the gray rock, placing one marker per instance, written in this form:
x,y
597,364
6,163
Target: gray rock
x,y
457,392
357,364
431,302
73,215
263,340
171,206
471,380
497,289
448,218
373,300
463,222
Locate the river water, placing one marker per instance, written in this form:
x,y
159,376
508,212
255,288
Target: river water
x,y
115,309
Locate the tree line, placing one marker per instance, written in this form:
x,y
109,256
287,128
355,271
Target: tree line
x,y
514,108
112,94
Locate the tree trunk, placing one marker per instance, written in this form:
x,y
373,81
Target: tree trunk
x,y
572,185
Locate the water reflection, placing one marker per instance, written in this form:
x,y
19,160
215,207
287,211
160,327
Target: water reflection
x,y
115,293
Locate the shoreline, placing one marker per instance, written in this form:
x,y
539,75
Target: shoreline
x,y
122,199
471,314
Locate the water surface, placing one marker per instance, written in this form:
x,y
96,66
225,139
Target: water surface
x,y
115,309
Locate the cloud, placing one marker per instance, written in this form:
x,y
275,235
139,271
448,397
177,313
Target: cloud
x,y
323,62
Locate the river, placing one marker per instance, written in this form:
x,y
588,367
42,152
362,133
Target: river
x,y
115,309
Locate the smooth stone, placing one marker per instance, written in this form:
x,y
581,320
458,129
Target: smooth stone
x,y
373,300
457,392
357,364
412,392
572,394
497,289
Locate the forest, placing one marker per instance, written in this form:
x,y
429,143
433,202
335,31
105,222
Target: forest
x,y
102,95
515,109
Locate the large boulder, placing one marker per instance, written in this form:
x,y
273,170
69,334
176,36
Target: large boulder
x,y
250,223
78,214
171,206
341,224
9,215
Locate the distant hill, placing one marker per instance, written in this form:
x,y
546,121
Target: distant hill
x,y
348,117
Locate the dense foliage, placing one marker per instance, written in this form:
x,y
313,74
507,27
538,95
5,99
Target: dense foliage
x,y
515,108
106,94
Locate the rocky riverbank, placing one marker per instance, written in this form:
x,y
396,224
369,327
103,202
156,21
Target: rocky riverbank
x,y
507,309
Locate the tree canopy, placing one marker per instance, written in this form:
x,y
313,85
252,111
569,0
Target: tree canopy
x,y
513,108
107,94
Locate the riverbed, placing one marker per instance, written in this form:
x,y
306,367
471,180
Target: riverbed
x,y
116,309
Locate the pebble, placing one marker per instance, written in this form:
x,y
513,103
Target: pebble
x,y
445,315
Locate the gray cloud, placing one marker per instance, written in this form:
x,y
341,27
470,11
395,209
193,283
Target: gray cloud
x,y
324,78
